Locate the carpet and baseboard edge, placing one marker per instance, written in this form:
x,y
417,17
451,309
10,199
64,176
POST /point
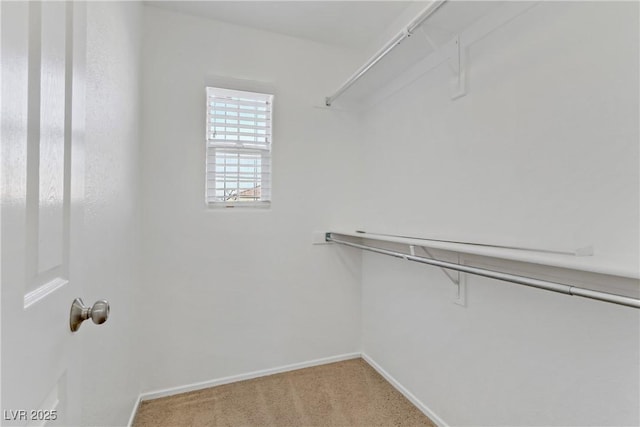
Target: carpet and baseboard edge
x,y
406,393
292,367
134,411
248,376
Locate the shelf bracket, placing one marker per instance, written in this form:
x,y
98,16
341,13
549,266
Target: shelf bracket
x,y
457,62
456,278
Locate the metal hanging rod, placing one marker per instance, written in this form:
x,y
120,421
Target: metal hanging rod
x,y
407,32
513,278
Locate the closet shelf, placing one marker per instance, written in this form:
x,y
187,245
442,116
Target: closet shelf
x,y
438,34
600,264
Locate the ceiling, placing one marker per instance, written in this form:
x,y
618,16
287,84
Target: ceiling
x,y
351,24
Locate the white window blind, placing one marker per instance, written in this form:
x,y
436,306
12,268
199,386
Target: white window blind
x,y
238,147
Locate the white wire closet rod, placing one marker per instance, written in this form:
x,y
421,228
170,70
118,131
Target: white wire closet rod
x,y
507,277
391,44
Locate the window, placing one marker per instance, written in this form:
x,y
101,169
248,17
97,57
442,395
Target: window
x,y
238,148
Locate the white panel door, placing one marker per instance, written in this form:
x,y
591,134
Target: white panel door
x,y
43,55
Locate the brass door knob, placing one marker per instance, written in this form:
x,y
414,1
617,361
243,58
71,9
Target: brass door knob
x,y
99,313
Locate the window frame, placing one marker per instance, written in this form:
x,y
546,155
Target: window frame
x,y
265,153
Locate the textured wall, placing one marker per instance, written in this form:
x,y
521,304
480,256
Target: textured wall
x,y
111,375
542,151
242,290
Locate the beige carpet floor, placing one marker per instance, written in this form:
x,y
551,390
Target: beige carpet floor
x,y
349,393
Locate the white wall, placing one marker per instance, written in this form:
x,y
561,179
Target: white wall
x,y
228,292
111,378
512,356
542,151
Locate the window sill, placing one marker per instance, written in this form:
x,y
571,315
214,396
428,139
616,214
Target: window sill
x,y
238,205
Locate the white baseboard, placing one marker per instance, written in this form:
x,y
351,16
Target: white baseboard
x,y
406,393
134,412
262,373
242,377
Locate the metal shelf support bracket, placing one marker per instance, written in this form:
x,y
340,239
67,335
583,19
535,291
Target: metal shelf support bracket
x,y
457,62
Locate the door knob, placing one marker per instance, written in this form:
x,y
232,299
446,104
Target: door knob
x,y
99,313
